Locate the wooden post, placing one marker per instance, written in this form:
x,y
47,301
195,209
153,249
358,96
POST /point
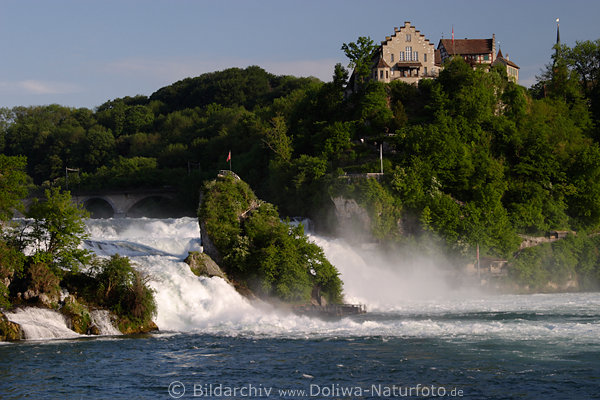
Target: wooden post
x,y
478,264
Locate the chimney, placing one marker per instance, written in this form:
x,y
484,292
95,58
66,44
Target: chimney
x,y
507,59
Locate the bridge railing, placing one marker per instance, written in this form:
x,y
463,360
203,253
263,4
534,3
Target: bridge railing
x,y
227,172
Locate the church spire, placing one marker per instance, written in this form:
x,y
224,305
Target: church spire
x,y
557,46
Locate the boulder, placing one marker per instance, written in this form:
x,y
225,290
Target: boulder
x,y
129,328
94,330
9,331
77,314
202,264
208,246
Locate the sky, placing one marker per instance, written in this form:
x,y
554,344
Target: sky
x,y
82,53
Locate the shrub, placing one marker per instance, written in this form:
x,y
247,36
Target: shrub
x,y
11,264
123,289
41,279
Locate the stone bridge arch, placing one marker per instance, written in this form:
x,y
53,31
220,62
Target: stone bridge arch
x,y
99,207
121,204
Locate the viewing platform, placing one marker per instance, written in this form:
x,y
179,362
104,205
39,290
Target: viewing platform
x,y
330,310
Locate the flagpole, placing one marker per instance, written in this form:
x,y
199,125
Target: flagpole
x,y
453,47
478,264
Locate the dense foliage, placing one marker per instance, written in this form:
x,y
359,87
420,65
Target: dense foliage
x,y
115,284
469,157
272,257
14,184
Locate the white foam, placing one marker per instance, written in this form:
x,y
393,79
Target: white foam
x,y
385,282
406,300
41,323
101,319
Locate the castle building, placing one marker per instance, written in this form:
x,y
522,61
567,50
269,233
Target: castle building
x,y
478,52
406,55
473,51
409,56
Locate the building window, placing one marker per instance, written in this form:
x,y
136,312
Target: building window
x,y
425,71
380,74
408,53
425,58
386,75
408,37
401,57
486,57
416,56
392,57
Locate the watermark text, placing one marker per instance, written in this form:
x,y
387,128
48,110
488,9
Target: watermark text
x,y
217,390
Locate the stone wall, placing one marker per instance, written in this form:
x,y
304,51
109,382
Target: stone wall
x,y
354,222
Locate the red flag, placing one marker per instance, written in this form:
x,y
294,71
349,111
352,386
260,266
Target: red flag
x,y
228,156
452,34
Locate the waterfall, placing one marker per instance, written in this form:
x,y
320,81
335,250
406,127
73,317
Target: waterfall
x,y
157,247
386,281
101,319
407,295
185,302
41,323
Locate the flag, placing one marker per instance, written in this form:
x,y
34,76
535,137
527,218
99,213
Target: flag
x,y
228,156
453,34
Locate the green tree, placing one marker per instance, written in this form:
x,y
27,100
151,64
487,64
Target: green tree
x,y
138,118
6,119
14,184
340,76
584,58
99,146
360,54
277,139
11,265
57,229
372,108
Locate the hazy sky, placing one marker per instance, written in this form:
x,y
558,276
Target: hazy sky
x,y
82,53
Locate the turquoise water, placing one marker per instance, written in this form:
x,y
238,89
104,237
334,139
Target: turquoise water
x,y
421,339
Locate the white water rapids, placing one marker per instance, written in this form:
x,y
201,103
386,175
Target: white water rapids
x,y
404,298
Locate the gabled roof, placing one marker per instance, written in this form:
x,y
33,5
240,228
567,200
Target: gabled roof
x,y
512,64
500,59
381,63
467,46
505,62
406,25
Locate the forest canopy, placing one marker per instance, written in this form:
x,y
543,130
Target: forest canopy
x,y
469,156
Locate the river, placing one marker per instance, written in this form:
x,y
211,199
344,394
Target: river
x,y
421,337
